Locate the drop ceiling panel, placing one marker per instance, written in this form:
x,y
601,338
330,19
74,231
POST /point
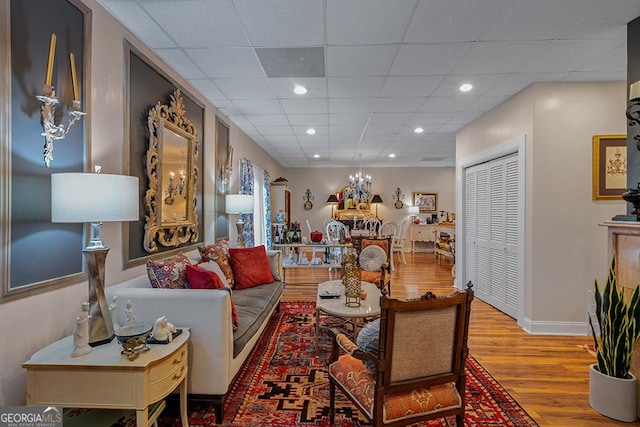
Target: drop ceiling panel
x,y
498,57
351,105
428,59
388,118
454,20
595,76
358,119
268,120
355,87
410,86
360,60
180,62
246,88
400,104
227,62
307,120
209,22
482,83
134,17
259,106
228,108
367,21
321,132
304,106
299,22
514,83
567,55
207,88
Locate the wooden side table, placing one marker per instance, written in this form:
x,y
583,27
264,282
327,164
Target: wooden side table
x,y
106,379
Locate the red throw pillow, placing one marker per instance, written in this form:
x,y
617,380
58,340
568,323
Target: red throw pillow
x,y
199,278
250,267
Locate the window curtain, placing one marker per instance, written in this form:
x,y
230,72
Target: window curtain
x,y
266,182
246,187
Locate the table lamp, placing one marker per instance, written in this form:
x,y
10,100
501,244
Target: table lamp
x,y
414,211
239,204
376,199
95,198
333,200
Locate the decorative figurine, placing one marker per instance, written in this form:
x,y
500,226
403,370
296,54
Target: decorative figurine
x,y
163,329
81,332
113,310
130,317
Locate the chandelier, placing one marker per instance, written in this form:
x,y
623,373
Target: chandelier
x,y
360,185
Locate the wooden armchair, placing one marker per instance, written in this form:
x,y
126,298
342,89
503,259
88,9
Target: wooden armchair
x,y
419,369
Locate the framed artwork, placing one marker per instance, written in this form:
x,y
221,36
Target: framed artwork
x,y
427,202
609,167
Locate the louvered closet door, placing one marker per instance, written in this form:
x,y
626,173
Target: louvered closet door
x,y
491,205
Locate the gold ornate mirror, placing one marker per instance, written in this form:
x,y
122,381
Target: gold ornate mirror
x,y
172,160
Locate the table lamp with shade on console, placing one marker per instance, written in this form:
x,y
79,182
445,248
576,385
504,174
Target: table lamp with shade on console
x,y
333,201
95,198
239,204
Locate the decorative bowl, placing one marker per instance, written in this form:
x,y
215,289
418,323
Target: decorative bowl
x,y
133,339
316,236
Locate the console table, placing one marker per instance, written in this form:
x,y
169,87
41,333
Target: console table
x,y
420,233
451,231
291,253
107,379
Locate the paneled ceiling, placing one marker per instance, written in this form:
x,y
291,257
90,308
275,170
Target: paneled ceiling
x,y
375,70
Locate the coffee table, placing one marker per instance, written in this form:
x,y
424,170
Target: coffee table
x,y
336,307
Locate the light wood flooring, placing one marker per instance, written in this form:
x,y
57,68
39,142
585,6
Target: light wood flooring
x,y
547,375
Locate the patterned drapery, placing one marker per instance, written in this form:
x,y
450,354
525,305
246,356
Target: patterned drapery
x,y
267,207
246,187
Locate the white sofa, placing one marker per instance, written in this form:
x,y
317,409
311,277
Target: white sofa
x,y
216,351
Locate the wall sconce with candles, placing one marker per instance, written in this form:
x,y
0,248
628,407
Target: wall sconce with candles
x,y
51,131
227,167
633,112
307,197
173,188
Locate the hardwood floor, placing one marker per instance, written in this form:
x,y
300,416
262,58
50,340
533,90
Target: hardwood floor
x,y
547,375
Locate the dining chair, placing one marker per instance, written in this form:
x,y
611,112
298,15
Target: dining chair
x,y
398,247
390,229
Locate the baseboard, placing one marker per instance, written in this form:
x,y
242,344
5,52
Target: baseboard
x,y
555,328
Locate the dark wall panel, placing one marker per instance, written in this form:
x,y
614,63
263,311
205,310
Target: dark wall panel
x,y
41,250
633,75
147,87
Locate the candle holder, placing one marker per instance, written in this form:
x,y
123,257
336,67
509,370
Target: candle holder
x,y
51,130
633,114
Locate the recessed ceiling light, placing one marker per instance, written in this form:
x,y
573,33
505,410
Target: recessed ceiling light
x,y
300,90
418,130
316,156
392,155
466,87
311,131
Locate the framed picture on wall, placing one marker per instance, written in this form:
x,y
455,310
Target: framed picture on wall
x,y
609,167
427,202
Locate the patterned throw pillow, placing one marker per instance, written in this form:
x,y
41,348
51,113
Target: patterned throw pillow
x,y
250,267
220,254
203,276
169,273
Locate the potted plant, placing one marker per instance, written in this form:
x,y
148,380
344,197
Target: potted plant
x,y
612,388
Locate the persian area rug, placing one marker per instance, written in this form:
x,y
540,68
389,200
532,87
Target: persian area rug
x,y
284,383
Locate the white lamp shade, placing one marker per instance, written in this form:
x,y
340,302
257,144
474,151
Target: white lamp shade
x,y
414,210
93,197
239,203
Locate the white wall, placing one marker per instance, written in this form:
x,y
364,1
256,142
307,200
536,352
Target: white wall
x,y
565,249
34,322
324,181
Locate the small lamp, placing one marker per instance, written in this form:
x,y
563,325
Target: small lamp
x,y
376,199
239,204
95,198
414,211
333,200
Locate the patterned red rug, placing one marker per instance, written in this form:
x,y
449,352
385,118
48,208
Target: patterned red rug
x,y
285,384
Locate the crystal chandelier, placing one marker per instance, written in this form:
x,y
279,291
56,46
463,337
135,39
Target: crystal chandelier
x,y
360,184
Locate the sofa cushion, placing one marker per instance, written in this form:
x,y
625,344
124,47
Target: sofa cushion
x,y
218,253
168,273
250,267
275,262
254,305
